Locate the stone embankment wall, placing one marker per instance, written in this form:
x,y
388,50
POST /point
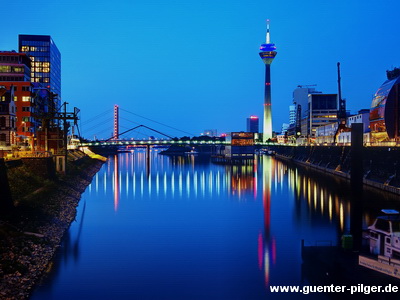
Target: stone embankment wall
x,y
31,233
381,165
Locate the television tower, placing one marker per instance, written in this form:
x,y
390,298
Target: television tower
x,y
267,54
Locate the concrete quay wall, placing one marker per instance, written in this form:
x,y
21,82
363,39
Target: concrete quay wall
x,y
381,165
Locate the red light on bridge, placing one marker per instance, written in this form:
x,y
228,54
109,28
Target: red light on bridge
x,y
268,83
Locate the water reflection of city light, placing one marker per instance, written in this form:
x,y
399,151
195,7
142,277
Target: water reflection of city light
x,y
188,184
165,183
180,184
263,181
157,183
341,216
141,184
116,183
173,183
195,183
149,183
134,183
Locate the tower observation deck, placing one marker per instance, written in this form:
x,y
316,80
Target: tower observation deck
x,y
267,54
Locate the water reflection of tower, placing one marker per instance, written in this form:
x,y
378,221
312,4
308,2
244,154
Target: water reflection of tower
x,y
266,243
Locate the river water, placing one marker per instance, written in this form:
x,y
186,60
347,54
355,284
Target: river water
x,y
185,228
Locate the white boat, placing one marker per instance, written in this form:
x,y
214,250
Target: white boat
x,y
384,244
384,234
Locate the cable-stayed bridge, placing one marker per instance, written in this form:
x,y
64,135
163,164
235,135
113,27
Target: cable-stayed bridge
x,y
138,135
121,124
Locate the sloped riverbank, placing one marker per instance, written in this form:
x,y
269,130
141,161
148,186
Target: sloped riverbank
x,y
32,231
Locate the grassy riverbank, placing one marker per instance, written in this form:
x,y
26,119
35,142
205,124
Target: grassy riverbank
x,y
32,231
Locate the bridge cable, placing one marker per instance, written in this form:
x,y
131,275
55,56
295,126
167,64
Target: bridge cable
x,y
143,125
95,117
138,127
157,122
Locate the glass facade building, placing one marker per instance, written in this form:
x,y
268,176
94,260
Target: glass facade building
x,y
46,61
384,113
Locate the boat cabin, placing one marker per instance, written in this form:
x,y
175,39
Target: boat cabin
x,y
384,235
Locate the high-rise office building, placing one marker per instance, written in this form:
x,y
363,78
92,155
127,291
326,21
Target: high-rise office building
x,y
252,124
46,62
267,54
322,110
292,114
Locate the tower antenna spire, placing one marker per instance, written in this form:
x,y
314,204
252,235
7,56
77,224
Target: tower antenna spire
x,y
268,38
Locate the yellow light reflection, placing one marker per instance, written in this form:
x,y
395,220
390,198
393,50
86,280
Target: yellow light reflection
x,y
341,216
322,201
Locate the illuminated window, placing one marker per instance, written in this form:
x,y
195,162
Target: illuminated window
x,y
26,98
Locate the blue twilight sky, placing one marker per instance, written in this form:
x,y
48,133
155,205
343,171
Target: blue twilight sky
x,y
194,65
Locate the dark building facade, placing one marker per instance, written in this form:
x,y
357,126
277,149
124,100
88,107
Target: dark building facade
x,y
46,61
7,118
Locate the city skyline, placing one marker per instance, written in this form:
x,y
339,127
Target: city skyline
x,y
162,59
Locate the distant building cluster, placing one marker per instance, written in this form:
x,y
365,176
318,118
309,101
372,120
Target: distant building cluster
x,y
314,117
30,94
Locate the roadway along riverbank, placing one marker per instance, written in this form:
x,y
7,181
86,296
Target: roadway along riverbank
x,y
32,231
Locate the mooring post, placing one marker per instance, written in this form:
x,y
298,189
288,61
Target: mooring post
x,y
356,181
6,203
